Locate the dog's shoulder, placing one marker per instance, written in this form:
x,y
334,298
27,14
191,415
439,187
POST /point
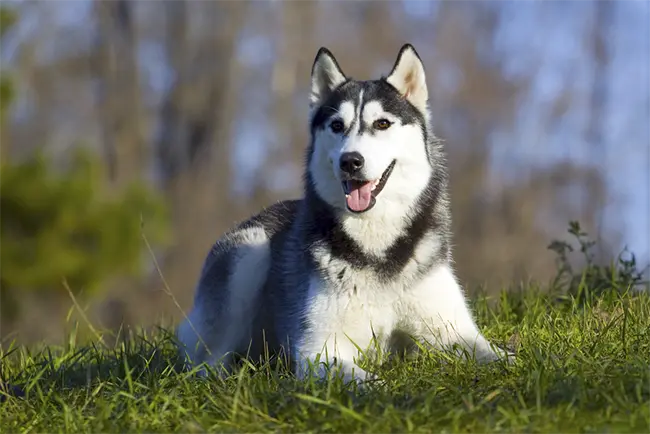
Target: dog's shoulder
x,y
274,218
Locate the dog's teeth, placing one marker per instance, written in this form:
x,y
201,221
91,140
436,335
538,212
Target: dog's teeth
x,y
374,187
347,196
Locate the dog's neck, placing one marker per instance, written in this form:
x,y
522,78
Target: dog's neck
x,y
374,232
373,242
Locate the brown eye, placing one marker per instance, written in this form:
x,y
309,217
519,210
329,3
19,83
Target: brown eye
x,y
337,126
381,124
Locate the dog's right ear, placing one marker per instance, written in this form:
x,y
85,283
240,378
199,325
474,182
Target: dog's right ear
x,y
326,75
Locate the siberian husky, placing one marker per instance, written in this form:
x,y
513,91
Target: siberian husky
x,y
362,259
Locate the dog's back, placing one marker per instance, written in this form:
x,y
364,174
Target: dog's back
x,y
227,315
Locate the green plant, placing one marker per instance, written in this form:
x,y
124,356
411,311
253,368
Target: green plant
x,y
68,225
620,275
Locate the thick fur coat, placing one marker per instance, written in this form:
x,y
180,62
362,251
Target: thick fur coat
x,y
362,259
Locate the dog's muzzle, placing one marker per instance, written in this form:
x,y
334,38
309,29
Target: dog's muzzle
x,y
361,194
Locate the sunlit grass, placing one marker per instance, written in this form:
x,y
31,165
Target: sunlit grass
x,y
580,367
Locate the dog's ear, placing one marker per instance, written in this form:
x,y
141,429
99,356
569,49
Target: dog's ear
x,y
326,75
408,77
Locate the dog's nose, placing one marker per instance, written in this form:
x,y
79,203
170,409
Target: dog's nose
x,y
351,162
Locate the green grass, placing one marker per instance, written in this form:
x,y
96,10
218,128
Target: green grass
x,y
580,368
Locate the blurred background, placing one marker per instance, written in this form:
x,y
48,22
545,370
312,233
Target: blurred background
x,y
129,124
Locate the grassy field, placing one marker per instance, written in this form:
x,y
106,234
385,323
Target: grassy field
x,y
581,367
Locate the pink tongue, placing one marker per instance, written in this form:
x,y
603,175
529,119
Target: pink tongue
x,y
360,195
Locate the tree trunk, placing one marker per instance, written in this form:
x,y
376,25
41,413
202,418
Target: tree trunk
x,y
119,93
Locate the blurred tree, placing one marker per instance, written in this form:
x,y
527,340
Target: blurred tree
x,y
597,41
193,144
501,227
288,75
7,19
64,224
119,91
178,90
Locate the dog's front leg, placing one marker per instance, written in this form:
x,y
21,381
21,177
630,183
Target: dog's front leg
x,y
330,367
447,320
329,361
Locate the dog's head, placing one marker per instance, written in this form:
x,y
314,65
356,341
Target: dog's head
x,y
369,154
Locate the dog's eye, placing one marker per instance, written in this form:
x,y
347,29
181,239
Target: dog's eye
x,y
337,126
381,124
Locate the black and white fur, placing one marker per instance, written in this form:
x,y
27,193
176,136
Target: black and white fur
x,y
315,279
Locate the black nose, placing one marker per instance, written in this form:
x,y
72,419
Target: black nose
x,y
351,162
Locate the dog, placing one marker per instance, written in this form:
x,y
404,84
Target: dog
x,y
363,258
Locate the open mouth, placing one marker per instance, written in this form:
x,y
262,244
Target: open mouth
x,y
360,195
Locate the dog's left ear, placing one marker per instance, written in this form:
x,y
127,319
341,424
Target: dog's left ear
x,y
408,77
